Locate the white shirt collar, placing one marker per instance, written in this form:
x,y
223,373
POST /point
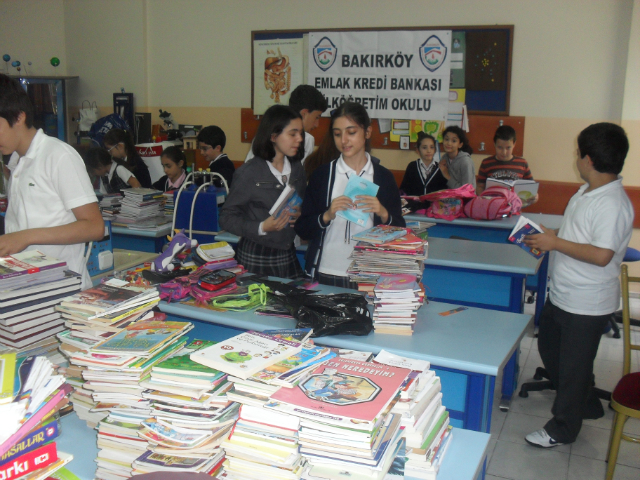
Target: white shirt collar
x,y
286,170
32,151
342,167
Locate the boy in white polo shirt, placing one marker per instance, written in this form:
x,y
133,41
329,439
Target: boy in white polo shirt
x,y
584,290
52,205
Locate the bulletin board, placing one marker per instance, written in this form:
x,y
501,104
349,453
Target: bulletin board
x,y
486,53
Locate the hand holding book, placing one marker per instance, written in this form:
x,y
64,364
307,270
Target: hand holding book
x,y
544,241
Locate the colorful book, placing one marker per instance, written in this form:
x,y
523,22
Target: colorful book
x,y
525,227
33,440
99,298
7,376
27,262
380,234
358,186
525,189
246,354
343,392
286,203
143,338
29,462
292,334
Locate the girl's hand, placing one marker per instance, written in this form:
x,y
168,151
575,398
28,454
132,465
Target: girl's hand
x,y
293,216
338,204
444,168
275,224
369,204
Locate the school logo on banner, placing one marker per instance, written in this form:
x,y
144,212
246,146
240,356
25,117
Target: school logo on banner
x,y
433,53
325,54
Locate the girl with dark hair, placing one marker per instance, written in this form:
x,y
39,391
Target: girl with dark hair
x,y
119,144
457,165
266,243
423,176
173,163
113,174
319,222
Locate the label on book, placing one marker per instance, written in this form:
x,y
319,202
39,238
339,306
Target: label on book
x,y
29,462
32,441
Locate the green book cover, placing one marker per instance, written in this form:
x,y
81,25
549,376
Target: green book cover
x,y
183,364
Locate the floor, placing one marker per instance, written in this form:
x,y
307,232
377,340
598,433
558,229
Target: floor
x,y
510,457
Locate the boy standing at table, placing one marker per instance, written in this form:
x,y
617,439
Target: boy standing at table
x,y
584,289
52,205
504,165
211,143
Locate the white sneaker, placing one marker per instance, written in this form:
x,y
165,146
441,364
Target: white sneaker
x,y
541,439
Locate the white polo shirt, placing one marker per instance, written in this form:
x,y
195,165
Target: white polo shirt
x,y
45,185
602,218
337,241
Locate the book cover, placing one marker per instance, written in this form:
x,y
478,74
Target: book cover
x,y
525,189
29,462
142,337
342,391
358,186
246,354
286,202
525,227
275,370
27,262
380,234
7,376
395,283
99,298
33,440
292,334
169,462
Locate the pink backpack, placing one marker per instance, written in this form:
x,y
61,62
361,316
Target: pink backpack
x,y
448,204
493,203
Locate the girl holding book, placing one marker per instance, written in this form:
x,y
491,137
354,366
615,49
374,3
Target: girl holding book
x,y
319,223
457,166
119,144
173,163
266,243
114,176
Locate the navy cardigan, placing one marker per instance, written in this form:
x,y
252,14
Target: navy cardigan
x,y
317,200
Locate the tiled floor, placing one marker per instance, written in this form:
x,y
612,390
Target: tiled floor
x,y
510,457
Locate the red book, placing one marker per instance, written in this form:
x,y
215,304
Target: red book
x,y
29,462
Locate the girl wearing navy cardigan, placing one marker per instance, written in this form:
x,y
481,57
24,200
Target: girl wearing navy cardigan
x,y
318,222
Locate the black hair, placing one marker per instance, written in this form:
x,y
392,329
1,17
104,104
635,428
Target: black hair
x,y
13,101
213,136
175,154
116,136
506,133
607,146
355,112
97,157
274,121
461,136
422,136
306,96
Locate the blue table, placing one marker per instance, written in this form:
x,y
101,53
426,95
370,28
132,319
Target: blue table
x,y
465,458
467,349
140,240
495,231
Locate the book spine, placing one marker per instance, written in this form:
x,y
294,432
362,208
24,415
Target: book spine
x,y
29,462
31,442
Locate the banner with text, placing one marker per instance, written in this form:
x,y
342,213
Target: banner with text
x,y
394,74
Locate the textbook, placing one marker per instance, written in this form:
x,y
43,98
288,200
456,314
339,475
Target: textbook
x,y
358,186
525,189
525,227
246,354
286,202
380,234
27,262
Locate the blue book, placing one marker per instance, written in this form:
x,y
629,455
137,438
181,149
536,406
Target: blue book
x,y
358,186
525,227
286,203
32,441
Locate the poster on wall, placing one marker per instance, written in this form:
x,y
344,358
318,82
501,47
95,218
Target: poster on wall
x,y
278,66
394,74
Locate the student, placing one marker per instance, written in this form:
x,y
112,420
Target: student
x,y
113,175
311,104
504,165
119,144
173,163
52,205
266,243
457,166
584,288
423,176
319,223
211,143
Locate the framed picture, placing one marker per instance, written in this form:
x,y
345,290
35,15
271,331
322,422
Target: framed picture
x,y
404,142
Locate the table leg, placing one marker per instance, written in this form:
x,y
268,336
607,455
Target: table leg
x,y
541,294
509,380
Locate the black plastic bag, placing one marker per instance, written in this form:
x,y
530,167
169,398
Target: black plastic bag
x,y
338,314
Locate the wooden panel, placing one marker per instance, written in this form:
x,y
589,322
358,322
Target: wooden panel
x,y
482,127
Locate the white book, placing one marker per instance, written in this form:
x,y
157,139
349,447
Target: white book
x,y
525,189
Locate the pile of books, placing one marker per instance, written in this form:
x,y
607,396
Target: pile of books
x,y
169,203
385,250
420,229
396,302
27,447
31,284
110,205
217,256
140,204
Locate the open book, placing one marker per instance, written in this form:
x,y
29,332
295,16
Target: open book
x,y
525,227
525,189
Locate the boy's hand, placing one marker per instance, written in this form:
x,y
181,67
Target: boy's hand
x,y
14,242
545,241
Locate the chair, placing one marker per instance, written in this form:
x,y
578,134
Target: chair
x,y
625,399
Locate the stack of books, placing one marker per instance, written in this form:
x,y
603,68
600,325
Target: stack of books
x,y
119,444
420,229
110,205
169,203
27,447
373,256
346,422
140,204
397,300
217,256
31,284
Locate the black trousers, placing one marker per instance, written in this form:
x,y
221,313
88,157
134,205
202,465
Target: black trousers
x,y
568,344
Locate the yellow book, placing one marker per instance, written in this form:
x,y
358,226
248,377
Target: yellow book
x,y
7,376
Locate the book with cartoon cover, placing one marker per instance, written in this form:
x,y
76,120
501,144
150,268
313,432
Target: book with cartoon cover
x,y
143,338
